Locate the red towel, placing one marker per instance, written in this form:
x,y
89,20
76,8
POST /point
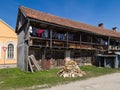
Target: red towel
x,y
40,31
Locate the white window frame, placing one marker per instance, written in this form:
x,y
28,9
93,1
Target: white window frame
x,y
14,45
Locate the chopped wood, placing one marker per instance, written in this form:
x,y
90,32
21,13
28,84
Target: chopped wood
x,y
71,69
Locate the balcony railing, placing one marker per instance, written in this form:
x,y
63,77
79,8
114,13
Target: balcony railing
x,y
55,43
111,47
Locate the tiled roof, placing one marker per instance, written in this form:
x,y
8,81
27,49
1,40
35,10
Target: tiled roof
x,y
66,22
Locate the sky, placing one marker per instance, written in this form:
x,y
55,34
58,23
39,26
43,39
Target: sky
x,y
90,12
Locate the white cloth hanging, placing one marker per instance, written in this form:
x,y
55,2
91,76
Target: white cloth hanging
x,y
30,29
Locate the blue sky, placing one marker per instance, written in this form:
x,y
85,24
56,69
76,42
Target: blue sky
x,y
90,12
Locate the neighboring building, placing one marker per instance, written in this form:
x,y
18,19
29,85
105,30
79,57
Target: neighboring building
x,y
52,39
8,44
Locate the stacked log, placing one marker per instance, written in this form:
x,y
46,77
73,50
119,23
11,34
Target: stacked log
x,y
71,69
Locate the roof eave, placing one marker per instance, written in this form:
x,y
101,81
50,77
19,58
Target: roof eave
x,y
19,12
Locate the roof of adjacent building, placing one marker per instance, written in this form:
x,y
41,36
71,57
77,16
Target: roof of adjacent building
x,y
6,24
30,13
6,31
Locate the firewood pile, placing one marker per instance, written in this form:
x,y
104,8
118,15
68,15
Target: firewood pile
x,y
71,69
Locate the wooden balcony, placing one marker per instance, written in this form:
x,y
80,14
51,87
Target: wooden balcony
x,y
55,43
39,41
61,44
111,47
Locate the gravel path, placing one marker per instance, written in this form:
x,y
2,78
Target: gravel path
x,y
8,66
106,82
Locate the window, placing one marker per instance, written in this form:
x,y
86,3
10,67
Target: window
x,y
10,51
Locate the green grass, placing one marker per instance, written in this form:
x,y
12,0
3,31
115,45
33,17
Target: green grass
x,y
15,78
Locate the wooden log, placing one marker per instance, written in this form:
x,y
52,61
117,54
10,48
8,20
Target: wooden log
x,y
29,62
71,69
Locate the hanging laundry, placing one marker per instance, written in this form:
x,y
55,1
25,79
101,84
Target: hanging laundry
x,y
71,37
30,29
55,35
35,31
40,31
46,33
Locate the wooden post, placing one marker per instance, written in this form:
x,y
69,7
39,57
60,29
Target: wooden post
x,y
91,41
43,59
104,61
80,40
108,43
116,62
80,37
50,38
67,39
99,62
67,55
26,42
30,65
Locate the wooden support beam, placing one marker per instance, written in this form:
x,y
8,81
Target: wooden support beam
x,y
105,60
30,65
67,38
50,38
108,43
26,40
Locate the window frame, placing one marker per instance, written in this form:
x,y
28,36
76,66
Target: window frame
x,y
14,52
10,51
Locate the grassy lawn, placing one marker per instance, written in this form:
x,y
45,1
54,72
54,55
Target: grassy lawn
x,y
15,78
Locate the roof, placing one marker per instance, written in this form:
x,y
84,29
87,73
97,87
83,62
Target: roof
x,y
30,13
6,31
6,24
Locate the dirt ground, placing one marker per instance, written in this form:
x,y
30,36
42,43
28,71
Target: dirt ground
x,y
106,82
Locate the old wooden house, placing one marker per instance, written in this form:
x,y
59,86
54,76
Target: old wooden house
x,y
52,39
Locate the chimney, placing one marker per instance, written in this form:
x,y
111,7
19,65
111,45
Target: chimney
x,y
101,25
114,29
